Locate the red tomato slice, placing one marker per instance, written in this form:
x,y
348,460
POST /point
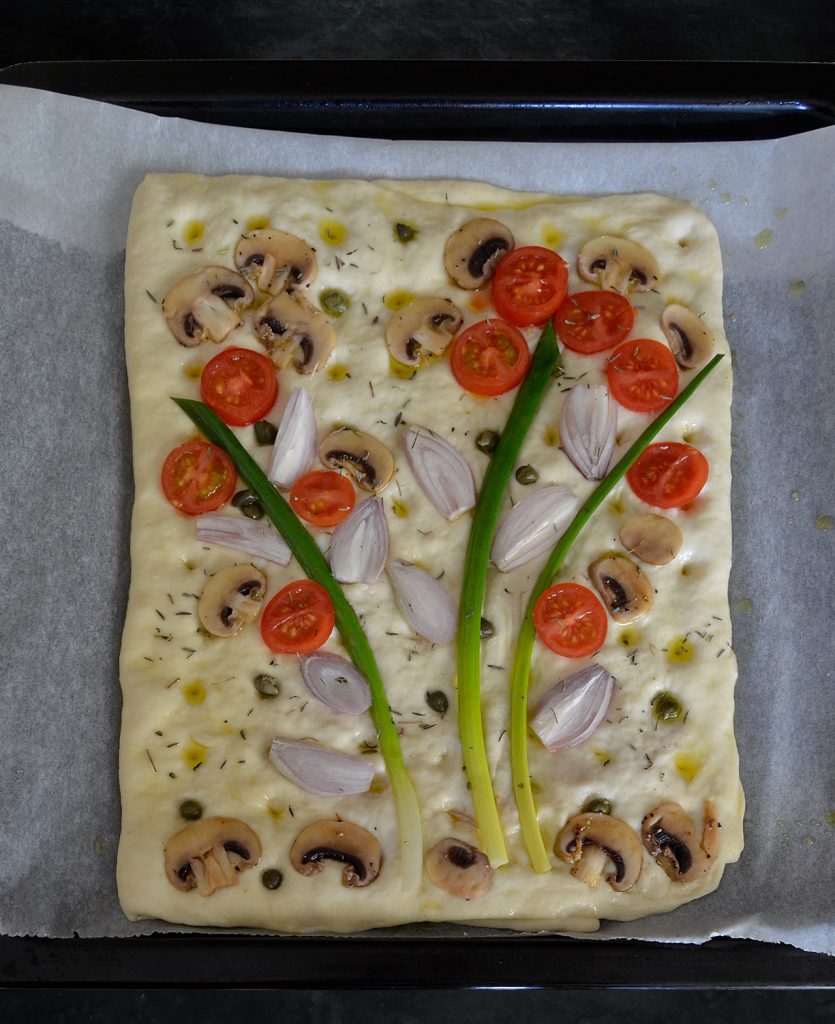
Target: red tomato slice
x,y
593,321
299,619
570,620
643,375
529,285
198,477
668,475
240,385
490,358
323,498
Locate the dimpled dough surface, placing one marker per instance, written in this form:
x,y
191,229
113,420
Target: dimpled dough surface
x,y
193,725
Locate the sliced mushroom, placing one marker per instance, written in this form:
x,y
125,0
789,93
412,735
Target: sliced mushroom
x,y
275,260
362,456
617,264
231,598
625,590
424,325
473,250
591,842
288,325
670,838
210,854
342,841
206,305
690,340
654,539
459,869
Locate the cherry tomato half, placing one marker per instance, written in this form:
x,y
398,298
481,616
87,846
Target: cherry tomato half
x,y
668,475
593,321
529,285
570,620
323,498
490,358
299,619
642,375
198,477
240,385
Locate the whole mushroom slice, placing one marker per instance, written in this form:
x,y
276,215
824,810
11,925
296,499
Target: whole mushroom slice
x,y
626,591
459,869
231,598
617,264
361,456
690,340
275,260
670,838
289,326
209,854
599,845
425,325
654,539
473,250
206,305
341,841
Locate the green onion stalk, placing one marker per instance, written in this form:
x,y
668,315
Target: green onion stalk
x,y
313,563
471,726
521,663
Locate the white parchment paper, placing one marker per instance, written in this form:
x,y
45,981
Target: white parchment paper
x,y
68,170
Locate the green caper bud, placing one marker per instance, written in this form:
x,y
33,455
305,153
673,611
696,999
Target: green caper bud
x,y
666,707
404,232
248,503
487,441
334,302
526,475
487,629
437,700
265,432
267,686
271,878
191,810
597,805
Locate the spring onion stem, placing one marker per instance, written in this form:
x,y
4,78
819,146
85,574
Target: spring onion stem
x,y
520,675
313,562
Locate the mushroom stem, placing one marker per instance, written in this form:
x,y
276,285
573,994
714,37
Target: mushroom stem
x,y
214,316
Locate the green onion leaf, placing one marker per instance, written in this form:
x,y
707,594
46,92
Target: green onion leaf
x,y
316,567
487,510
521,663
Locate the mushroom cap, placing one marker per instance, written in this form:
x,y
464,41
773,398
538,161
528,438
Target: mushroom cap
x,y
209,854
600,839
341,841
363,457
206,305
690,340
626,591
670,837
617,264
232,597
459,869
289,324
654,539
425,324
473,250
275,260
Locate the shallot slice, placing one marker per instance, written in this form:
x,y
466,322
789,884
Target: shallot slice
x,y
320,770
336,682
442,472
294,448
424,601
253,538
360,544
588,427
572,709
533,526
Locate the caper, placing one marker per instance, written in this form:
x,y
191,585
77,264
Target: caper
x,y
271,878
191,810
265,432
666,707
487,441
267,686
248,503
404,232
597,805
334,302
487,629
437,700
526,475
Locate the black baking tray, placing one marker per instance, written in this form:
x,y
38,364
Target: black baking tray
x,y
519,101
